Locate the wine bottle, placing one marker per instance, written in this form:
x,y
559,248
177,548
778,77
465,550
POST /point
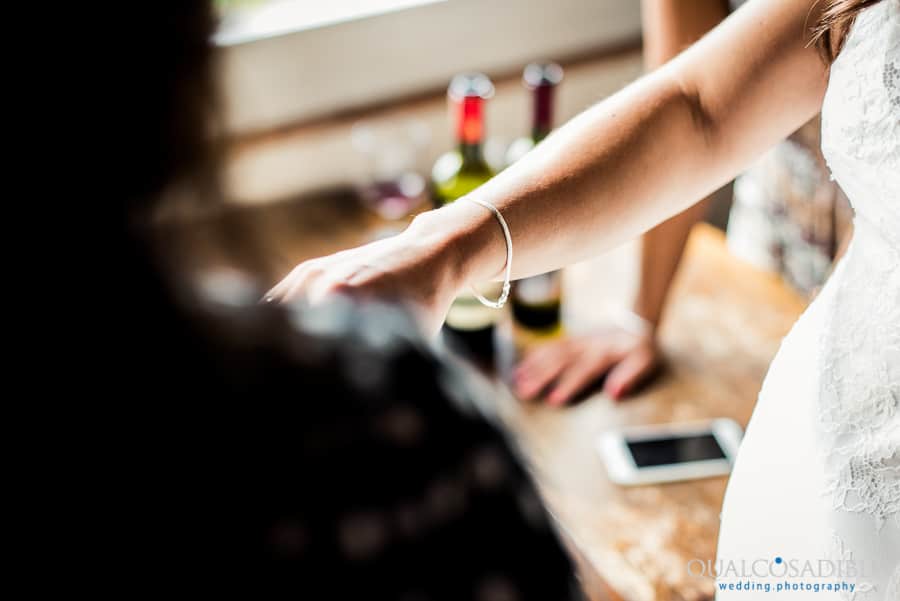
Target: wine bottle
x,y
536,301
470,326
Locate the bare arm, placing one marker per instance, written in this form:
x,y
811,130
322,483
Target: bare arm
x,y
669,27
561,369
611,173
653,149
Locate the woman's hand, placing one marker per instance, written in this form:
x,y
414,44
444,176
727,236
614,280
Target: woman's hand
x,y
413,269
423,267
566,367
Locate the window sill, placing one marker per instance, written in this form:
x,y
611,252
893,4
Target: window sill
x,y
292,161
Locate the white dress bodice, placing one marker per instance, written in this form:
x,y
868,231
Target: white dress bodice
x,y
861,119
858,408
818,473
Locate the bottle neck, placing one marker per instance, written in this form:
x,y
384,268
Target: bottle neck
x,y
471,153
542,115
470,129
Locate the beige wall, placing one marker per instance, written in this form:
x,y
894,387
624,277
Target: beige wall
x,y
319,156
315,72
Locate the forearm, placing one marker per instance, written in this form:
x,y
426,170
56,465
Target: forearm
x,y
661,251
648,152
669,26
606,176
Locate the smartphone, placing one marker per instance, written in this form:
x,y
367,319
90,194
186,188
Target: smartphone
x,y
669,452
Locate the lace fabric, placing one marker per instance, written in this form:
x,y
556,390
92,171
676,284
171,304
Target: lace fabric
x,y
893,589
818,473
858,407
839,552
861,118
830,486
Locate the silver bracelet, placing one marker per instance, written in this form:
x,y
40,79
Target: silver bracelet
x,y
504,294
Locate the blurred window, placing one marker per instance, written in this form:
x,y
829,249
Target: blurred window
x,y
249,20
287,61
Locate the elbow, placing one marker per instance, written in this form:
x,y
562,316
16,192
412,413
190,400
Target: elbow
x,y
702,117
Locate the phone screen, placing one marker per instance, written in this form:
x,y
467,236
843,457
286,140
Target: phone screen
x,y
681,449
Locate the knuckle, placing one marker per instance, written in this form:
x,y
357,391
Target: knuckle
x,y
340,287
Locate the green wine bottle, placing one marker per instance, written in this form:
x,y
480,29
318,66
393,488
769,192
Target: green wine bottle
x,y
470,326
536,301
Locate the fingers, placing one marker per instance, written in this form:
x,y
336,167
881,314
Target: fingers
x,y
579,374
304,282
540,368
288,285
630,372
275,292
542,355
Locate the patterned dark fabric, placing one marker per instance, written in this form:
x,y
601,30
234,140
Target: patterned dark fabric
x,y
266,460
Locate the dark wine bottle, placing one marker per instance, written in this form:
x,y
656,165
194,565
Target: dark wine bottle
x,y
536,301
470,326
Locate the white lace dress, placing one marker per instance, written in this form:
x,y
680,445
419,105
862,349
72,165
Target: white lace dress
x,y
814,499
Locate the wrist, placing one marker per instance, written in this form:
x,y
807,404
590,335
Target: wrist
x,y
632,322
468,239
650,313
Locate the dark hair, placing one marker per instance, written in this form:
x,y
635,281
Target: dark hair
x,y
165,103
169,140
834,23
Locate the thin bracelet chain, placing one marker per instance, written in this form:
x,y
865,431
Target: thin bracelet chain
x,y
504,294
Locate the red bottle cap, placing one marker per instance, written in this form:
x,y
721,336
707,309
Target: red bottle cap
x,y
468,91
542,78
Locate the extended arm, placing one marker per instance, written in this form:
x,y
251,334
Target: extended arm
x,y
610,174
653,149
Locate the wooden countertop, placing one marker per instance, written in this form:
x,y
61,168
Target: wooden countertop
x,y
723,325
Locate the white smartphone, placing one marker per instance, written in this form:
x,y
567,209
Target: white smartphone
x,y
670,452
